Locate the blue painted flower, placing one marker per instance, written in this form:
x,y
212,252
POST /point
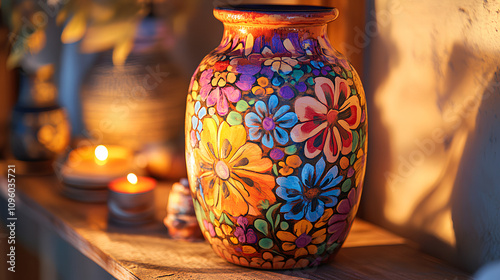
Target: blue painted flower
x,y
309,195
199,113
269,122
320,67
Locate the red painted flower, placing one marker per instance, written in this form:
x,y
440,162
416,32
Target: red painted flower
x,y
326,121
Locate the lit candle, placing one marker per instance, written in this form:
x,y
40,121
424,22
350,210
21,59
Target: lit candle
x,y
97,164
131,199
132,184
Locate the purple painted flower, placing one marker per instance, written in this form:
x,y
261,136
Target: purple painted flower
x,y
269,122
320,67
276,154
287,92
247,67
340,224
243,233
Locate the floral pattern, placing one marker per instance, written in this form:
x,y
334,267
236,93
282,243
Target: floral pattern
x,y
302,239
340,224
311,194
327,120
269,122
233,172
276,131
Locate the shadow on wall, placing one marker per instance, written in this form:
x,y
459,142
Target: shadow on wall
x,y
476,194
384,55
464,186
433,158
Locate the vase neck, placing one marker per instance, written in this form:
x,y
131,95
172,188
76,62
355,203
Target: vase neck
x,y
296,30
274,16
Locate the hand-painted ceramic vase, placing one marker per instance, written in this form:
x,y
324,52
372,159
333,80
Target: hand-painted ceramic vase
x,y
276,138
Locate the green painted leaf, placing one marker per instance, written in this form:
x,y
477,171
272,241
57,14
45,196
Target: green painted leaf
x,y
333,73
211,216
264,204
277,222
228,221
310,80
353,159
321,248
354,91
355,140
344,75
297,74
346,186
332,247
290,150
251,101
200,214
275,169
261,226
242,106
269,213
234,118
349,74
266,243
363,138
221,219
284,225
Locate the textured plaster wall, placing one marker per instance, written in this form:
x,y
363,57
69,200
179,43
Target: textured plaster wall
x,y
432,75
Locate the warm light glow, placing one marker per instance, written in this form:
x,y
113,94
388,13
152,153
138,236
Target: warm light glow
x,y
101,153
132,178
243,30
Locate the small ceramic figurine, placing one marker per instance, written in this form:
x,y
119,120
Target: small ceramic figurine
x,y
181,219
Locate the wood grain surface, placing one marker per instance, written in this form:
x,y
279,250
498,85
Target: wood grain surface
x,y
147,252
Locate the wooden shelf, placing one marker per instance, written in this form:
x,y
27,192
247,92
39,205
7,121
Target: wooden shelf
x,y
148,253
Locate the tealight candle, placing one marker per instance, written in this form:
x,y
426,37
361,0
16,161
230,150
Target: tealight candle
x,y
88,170
131,199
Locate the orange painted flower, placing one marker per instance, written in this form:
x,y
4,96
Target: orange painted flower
x,y
270,261
234,177
301,239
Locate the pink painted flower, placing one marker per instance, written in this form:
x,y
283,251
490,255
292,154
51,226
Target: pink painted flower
x,y
339,224
326,121
216,91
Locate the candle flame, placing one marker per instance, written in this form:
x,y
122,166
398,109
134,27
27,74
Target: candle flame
x,y
101,152
132,178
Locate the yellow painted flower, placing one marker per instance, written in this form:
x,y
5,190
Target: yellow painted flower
x,y
301,240
262,88
291,162
234,176
221,79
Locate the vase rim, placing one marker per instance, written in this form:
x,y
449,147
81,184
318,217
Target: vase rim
x,y
275,14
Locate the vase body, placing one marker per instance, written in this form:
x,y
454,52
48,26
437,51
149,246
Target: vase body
x,y
276,135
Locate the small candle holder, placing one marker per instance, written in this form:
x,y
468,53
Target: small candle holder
x,y
87,171
131,200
